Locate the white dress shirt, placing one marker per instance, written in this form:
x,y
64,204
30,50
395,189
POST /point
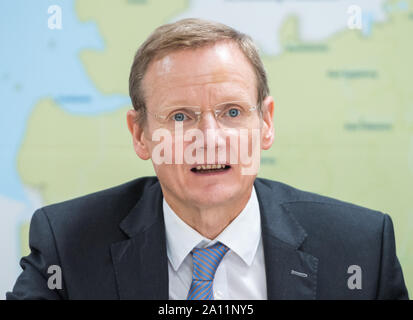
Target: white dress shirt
x,y
241,273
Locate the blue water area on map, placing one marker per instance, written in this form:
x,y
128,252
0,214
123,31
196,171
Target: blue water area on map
x,y
401,5
38,62
368,20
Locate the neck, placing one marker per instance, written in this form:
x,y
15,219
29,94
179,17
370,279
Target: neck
x,y
209,221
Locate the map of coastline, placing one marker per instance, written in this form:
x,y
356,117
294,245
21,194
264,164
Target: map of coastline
x,y
343,118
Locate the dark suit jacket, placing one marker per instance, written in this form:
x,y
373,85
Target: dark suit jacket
x,y
111,245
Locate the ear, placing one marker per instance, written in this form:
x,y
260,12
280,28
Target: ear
x,y
138,137
267,132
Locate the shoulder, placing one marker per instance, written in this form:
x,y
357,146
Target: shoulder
x,y
318,212
102,210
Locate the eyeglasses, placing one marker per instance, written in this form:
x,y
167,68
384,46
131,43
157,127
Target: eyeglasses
x,y
231,114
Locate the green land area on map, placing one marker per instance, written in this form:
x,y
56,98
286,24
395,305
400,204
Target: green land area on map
x,y
343,117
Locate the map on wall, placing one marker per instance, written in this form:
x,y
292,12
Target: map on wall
x,y
343,102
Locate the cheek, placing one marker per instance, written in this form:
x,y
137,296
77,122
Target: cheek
x,y
234,147
170,175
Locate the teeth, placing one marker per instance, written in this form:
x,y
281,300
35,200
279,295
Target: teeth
x,y
210,167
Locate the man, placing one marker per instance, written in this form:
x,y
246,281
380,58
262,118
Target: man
x,y
205,227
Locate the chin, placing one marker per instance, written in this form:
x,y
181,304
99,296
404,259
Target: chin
x,y
214,195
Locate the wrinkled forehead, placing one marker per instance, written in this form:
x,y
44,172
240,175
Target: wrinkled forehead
x,y
216,67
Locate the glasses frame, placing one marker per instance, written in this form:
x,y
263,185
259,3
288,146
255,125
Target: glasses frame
x,y
216,111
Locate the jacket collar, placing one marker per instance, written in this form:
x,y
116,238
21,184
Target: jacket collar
x,y
141,263
291,273
276,221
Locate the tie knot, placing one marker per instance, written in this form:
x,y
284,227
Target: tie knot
x,y
206,261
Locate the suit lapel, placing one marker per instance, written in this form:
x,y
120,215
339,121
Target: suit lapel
x,y
140,262
290,272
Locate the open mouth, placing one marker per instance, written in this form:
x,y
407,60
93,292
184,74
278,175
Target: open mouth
x,y
210,168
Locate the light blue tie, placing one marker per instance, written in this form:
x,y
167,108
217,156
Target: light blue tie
x,y
206,261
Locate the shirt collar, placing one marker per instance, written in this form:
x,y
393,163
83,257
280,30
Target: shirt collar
x,y
242,235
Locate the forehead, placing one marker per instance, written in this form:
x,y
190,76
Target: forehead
x,y
202,75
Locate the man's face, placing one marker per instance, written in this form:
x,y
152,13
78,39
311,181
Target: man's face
x,y
203,77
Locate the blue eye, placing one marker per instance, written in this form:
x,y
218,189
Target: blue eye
x,y
178,117
233,112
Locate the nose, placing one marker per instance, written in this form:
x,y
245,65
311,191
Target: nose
x,y
207,121
214,141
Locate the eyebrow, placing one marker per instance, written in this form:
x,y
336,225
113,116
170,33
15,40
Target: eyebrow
x,y
227,98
